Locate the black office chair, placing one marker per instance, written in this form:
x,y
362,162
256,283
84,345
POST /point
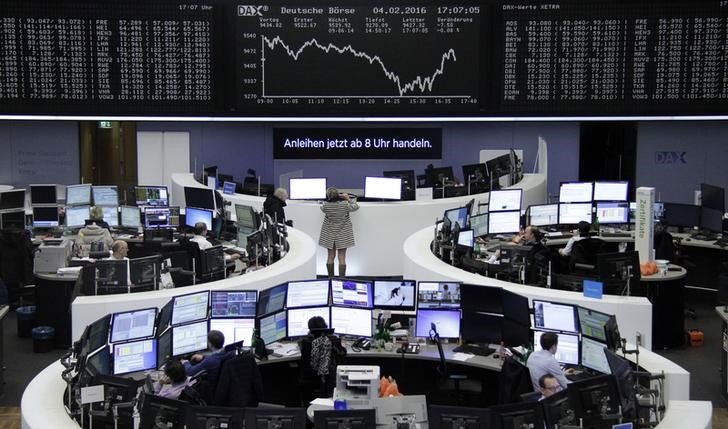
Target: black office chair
x,y
312,385
181,268
447,381
514,381
16,265
584,255
240,383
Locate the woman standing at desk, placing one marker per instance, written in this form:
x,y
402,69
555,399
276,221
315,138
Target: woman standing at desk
x,y
337,233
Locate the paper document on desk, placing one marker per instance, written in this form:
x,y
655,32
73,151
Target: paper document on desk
x,y
69,270
462,357
326,402
285,349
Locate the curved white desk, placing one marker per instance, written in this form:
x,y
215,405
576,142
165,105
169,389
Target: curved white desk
x,y
298,263
379,228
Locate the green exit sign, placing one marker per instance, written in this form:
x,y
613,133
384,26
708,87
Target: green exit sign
x,y
104,124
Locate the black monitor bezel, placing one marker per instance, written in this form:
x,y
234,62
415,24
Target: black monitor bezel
x,y
119,344
115,315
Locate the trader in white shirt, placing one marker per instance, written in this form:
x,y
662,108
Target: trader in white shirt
x,y
584,228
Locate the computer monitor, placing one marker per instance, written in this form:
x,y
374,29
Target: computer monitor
x,y
611,191
208,417
450,417
111,276
407,176
593,357
395,294
190,307
504,222
479,224
621,369
576,192
350,293
42,194
465,239
385,188
10,200
557,412
131,217
441,175
228,188
710,219
157,411
499,166
233,303
307,188
712,197
98,333
517,416
345,419
272,300
99,362
476,173
619,266
445,322
76,216
612,213
356,322
235,330
592,323
505,200
594,397
145,272
157,217
307,293
297,319
273,328
270,418
135,356
480,298
12,219
567,351
516,308
45,217
246,217
105,195
156,196
194,215
554,316
164,347
203,198
111,215
482,328
573,213
78,195
681,215
190,338
133,325
543,214
438,295
459,215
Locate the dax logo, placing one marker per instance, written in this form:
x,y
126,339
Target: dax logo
x,y
248,10
670,157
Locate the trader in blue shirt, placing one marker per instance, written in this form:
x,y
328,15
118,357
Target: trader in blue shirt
x,y
543,362
210,362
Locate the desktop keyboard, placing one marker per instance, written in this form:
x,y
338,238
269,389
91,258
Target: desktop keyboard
x,y
616,234
232,250
474,350
703,237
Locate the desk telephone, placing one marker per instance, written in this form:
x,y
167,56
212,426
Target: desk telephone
x,y
409,348
362,344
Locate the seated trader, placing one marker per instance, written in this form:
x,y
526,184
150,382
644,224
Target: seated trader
x,y
119,250
542,361
584,228
273,206
547,386
211,362
173,382
94,232
199,237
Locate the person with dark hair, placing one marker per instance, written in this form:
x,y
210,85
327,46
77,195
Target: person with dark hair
x,y
321,352
200,237
584,232
548,385
542,361
173,382
337,233
210,362
316,323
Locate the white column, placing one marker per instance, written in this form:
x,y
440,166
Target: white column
x,y
645,224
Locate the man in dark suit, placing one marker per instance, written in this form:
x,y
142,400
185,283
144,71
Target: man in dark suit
x,y
210,362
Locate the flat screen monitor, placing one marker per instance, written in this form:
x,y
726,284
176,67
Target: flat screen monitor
x,y
479,224
208,417
445,322
617,213
395,294
111,215
711,219
516,308
165,317
13,219
592,355
157,411
45,217
151,196
385,188
42,194
438,295
573,213
273,327
190,307
157,217
98,333
164,348
567,351
466,238
203,198
459,216
576,192
543,215
557,412
621,369
135,356
349,419
309,188
519,415
194,215
235,330
441,175
246,217
256,417
477,173
407,176
611,191
297,319
505,200
619,266
594,397
272,300
480,299
351,293
504,222
450,417
10,200
105,195
111,276
482,328
228,188
233,303
133,325
78,195
592,323
76,216
190,338
131,217
145,272
554,316
356,322
712,197
99,362
311,293
681,215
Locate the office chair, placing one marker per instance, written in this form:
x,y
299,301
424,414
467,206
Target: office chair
x,y
16,264
584,255
514,381
446,377
240,383
312,386
182,270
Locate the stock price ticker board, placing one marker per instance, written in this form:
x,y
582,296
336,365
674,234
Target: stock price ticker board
x,y
365,58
